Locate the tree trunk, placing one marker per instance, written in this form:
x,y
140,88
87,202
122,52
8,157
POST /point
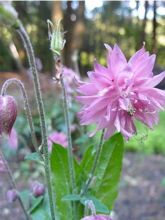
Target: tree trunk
x,y
56,11
143,34
74,25
154,28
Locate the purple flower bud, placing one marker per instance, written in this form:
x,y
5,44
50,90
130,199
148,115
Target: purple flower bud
x,y
97,217
8,114
2,166
37,189
11,195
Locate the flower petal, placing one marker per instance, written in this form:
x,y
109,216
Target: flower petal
x,y
154,81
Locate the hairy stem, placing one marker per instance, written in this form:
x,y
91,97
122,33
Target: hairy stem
x,y
70,147
6,84
13,184
91,175
30,53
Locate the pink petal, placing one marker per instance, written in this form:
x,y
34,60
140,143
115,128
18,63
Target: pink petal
x,y
155,80
117,60
87,89
136,56
13,139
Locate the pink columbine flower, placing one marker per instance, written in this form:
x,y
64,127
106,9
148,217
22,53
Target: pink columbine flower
x,y
8,114
121,93
97,217
57,137
69,79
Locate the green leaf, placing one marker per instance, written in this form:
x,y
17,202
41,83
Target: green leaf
x,y
109,170
71,197
40,215
35,203
107,175
33,157
61,185
99,206
85,166
40,208
25,197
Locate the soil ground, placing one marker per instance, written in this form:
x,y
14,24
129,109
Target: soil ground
x,y
141,197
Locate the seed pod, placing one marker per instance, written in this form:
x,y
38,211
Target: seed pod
x,y
8,114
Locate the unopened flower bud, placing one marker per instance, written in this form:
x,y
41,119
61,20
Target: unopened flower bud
x,y
56,37
37,189
97,217
8,14
8,114
11,195
2,166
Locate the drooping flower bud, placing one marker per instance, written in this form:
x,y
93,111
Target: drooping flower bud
x,y
11,195
2,166
56,37
37,189
8,114
8,14
97,217
13,140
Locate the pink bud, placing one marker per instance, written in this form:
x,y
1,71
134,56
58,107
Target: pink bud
x,y
2,166
8,114
37,189
11,195
97,217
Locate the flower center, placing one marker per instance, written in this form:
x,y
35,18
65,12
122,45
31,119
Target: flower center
x,y
131,110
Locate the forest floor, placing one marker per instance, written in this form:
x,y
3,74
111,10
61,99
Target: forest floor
x,y
141,197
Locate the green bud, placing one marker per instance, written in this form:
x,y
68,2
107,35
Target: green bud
x,y
56,37
8,14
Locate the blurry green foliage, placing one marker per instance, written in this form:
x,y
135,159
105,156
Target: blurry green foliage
x,y
149,141
112,23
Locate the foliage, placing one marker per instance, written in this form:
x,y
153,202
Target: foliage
x,y
103,190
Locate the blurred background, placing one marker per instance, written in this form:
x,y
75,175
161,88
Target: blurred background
x,y
87,26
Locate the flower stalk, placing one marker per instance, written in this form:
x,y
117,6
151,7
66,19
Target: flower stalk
x,y
5,86
30,53
57,43
13,184
59,73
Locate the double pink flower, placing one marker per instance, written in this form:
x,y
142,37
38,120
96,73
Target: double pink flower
x,y
121,93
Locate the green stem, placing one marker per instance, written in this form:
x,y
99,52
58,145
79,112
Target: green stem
x,y
70,147
91,175
13,184
6,84
30,53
